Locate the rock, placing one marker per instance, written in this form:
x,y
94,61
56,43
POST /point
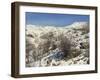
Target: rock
x,y
57,55
53,58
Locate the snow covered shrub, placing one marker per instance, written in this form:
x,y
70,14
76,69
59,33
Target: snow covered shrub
x,y
63,43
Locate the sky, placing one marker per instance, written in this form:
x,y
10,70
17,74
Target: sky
x,y
52,19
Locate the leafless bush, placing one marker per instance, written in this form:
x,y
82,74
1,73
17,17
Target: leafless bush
x,y
63,44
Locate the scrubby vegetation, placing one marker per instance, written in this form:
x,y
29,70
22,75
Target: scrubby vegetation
x,y
56,46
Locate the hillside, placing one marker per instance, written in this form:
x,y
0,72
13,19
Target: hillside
x,y
57,46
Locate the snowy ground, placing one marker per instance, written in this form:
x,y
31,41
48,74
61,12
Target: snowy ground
x,y
57,46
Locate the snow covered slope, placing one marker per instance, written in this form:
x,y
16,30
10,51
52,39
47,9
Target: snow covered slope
x,y
57,46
